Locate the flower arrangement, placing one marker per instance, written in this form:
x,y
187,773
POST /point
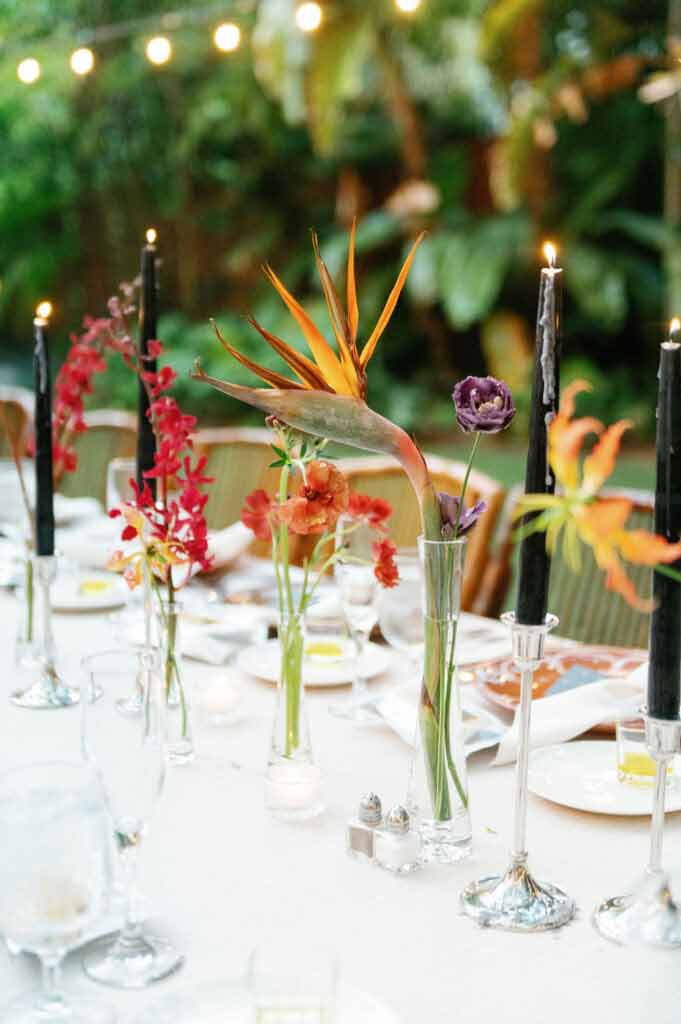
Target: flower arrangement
x,y
581,515
327,398
312,497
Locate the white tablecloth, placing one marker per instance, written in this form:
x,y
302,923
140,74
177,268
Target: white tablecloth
x,y
219,873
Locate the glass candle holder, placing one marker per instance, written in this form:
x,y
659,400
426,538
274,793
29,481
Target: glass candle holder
x,y
635,766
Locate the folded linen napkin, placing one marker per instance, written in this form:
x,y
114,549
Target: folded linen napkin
x,y
569,713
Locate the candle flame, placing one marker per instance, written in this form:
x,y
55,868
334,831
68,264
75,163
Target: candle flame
x,y
674,326
550,253
151,235
44,309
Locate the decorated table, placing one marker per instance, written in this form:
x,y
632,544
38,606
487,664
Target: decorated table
x,y
220,873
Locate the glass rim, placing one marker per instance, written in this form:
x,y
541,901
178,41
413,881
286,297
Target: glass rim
x,y
132,653
450,542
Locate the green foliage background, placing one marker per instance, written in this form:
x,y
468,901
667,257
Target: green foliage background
x,y
493,124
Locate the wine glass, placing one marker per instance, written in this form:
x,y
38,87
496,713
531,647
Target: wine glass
x,y
357,586
125,740
399,609
118,475
55,878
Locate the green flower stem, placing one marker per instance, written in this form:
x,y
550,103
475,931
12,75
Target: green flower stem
x,y
171,670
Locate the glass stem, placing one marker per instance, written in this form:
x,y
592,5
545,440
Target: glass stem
x,y
359,688
657,823
52,1001
519,851
129,861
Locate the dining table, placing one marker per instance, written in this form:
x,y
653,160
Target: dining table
x,y
219,874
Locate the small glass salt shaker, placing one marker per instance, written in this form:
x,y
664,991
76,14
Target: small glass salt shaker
x,y
397,846
362,829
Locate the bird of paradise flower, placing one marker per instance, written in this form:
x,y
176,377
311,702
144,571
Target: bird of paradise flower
x,y
580,515
327,399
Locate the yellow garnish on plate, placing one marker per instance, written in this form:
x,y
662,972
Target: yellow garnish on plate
x,y
633,766
88,588
324,649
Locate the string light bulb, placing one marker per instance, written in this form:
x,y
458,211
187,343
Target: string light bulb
x,y
158,50
550,253
151,236
43,310
407,6
308,17
227,37
82,61
28,71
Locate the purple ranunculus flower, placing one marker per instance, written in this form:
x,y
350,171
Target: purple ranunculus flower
x,y
449,511
483,405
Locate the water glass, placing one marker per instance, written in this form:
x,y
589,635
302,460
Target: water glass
x,y
292,984
399,608
55,879
125,741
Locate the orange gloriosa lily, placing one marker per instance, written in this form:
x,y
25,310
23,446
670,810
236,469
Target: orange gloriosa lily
x,y
327,398
581,515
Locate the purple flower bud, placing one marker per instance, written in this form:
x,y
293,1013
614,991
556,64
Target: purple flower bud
x,y
449,511
483,405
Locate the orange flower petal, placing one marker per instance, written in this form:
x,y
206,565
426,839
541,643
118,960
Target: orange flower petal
x,y
644,548
599,465
567,398
303,367
277,380
338,319
325,357
384,318
618,581
604,519
351,285
566,438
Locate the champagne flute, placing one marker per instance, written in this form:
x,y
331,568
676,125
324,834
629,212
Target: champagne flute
x,y
354,575
125,741
55,878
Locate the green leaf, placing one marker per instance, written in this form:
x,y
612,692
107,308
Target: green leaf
x,y
472,267
422,280
335,74
596,283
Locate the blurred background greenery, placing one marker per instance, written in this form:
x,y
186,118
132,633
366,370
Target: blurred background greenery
x,y
492,123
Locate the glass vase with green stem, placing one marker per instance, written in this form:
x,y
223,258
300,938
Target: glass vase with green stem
x,y
179,738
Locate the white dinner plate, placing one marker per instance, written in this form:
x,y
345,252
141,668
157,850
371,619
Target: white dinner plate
x,y
228,1004
583,775
262,660
89,592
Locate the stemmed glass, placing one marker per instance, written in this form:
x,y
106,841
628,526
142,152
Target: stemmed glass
x,y
357,586
125,740
399,609
118,475
55,878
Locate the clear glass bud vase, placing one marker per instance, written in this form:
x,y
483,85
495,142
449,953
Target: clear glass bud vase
x,y
179,737
293,780
438,786
24,646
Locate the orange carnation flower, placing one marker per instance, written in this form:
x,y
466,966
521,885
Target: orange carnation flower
x,y
322,497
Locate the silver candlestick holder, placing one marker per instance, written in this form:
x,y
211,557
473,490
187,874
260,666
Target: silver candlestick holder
x,y
515,901
647,914
47,689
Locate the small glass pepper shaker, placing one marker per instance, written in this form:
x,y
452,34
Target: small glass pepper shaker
x,y
362,829
397,846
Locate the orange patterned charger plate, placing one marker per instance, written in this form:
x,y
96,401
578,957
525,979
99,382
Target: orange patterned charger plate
x,y
562,670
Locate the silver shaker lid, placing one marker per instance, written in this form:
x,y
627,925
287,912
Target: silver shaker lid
x,y
397,820
370,809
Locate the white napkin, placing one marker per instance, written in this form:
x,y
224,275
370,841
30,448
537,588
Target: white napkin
x,y
226,545
569,714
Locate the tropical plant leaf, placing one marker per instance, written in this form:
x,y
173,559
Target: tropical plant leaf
x,y
596,283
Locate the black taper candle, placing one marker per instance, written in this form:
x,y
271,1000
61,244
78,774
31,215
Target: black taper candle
x,y
44,485
535,563
664,669
146,442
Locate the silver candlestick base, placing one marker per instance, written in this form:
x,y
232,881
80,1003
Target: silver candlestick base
x,y
514,901
647,915
47,690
